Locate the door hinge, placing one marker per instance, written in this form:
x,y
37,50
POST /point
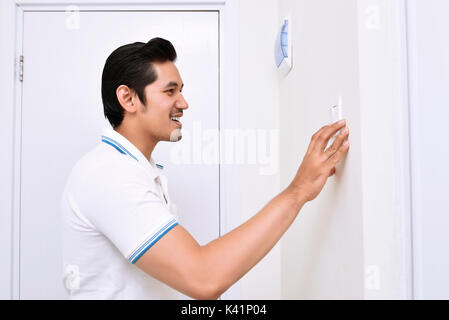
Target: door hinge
x,y
21,69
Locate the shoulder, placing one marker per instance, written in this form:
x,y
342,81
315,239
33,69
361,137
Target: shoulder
x,y
103,169
105,184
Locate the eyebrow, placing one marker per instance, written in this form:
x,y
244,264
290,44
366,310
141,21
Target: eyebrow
x,y
172,84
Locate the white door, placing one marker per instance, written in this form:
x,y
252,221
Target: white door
x,y
62,117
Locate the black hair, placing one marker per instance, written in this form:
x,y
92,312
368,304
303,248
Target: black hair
x,y
132,65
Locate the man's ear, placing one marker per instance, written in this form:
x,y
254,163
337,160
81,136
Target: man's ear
x,y
125,97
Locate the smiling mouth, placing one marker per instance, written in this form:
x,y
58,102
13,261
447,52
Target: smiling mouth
x,y
178,123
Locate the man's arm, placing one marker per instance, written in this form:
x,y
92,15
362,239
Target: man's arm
x,y
231,256
205,272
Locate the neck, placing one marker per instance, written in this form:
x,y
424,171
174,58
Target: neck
x,y
144,143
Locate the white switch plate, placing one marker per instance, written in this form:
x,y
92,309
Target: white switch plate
x,y
335,114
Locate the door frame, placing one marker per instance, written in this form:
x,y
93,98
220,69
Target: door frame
x,y
384,110
11,42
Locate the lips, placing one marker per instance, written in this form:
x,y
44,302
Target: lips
x,y
177,122
175,118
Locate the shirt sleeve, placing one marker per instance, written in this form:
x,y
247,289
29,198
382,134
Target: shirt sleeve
x,y
126,207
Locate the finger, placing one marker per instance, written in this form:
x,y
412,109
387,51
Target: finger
x,y
315,137
326,133
336,157
341,137
332,172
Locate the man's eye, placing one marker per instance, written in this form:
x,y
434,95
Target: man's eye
x,y
171,90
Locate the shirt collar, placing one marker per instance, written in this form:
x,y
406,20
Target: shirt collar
x,y
123,145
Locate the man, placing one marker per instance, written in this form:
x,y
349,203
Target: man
x,y
121,240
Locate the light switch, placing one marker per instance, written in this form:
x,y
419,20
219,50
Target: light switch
x,y
335,113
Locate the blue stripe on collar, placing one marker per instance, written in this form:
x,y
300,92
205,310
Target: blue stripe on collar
x,y
120,150
118,146
159,166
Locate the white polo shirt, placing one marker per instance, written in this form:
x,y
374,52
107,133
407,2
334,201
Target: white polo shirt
x,y
115,207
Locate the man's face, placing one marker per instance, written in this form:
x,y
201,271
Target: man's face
x,y
164,101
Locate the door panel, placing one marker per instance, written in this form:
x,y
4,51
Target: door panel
x,y
62,118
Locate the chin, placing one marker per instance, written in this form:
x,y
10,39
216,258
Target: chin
x,y
175,135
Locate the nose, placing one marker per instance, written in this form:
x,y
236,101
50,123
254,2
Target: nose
x,y
182,103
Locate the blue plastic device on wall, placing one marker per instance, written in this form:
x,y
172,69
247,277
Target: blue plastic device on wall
x,y
283,47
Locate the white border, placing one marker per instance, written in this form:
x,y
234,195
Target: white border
x,y
11,15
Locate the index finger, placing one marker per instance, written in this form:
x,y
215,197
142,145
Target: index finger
x,y
327,133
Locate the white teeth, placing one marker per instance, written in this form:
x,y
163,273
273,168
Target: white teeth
x,y
175,118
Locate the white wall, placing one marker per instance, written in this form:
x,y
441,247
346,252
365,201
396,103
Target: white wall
x,y
259,109
353,240
322,252
429,95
